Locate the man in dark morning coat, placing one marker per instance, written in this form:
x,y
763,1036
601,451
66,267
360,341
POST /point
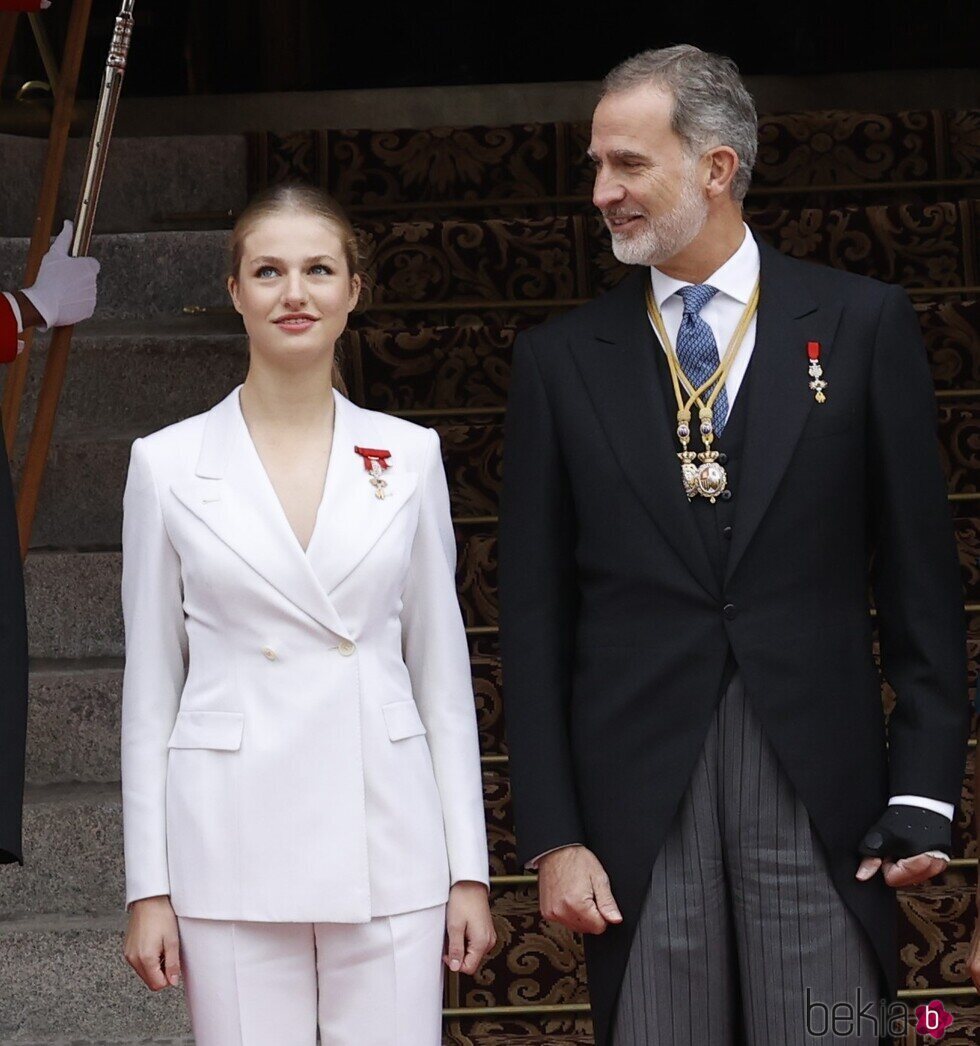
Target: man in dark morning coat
x,y
697,743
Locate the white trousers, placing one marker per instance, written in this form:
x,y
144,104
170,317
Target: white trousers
x,y
363,984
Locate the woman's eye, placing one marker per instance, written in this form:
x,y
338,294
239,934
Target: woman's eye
x,y
324,269
265,268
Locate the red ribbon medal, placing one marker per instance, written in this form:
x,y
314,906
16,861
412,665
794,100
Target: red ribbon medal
x,y
817,384
376,462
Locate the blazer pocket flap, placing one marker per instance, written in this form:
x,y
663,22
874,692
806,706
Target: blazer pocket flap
x,y
201,729
403,720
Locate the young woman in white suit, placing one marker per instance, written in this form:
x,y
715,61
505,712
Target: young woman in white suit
x,y
302,801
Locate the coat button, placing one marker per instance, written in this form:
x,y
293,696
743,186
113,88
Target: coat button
x,y
269,654
345,647
729,611
726,495
727,531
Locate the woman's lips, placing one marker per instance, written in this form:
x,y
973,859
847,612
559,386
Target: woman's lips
x,y
295,326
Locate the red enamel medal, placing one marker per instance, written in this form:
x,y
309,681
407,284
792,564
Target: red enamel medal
x,y
376,463
816,371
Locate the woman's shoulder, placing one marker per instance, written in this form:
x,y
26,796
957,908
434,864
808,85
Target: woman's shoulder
x,y
174,438
388,432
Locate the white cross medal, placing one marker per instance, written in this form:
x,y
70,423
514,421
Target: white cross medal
x,y
817,384
376,464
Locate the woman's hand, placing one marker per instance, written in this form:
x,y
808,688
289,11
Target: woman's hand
x,y
469,927
152,945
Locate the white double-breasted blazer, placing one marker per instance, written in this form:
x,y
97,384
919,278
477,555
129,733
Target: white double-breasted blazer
x,y
299,736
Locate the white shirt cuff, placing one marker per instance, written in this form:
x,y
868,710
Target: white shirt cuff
x,y
946,809
533,863
15,307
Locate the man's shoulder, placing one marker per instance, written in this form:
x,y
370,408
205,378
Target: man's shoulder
x,y
824,282
585,321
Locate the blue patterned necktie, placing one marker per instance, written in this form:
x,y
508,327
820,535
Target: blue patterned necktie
x,y
697,351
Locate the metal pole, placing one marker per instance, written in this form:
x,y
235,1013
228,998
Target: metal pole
x,y
57,361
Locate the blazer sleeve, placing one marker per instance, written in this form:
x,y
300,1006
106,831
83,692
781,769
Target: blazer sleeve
x,y
437,656
915,570
153,678
9,331
539,607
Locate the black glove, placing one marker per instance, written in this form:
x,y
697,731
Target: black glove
x,y
904,831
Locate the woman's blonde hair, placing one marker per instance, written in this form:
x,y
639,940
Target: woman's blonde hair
x,y
306,199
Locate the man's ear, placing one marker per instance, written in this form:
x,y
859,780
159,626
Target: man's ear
x,y
724,164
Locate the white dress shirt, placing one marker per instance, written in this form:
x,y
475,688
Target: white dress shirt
x,y
735,280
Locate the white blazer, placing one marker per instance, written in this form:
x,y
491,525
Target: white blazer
x,y
299,737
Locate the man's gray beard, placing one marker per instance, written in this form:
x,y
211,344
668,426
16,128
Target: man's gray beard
x,y
661,238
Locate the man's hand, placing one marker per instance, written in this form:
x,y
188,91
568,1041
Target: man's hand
x,y
574,890
65,290
907,871
906,843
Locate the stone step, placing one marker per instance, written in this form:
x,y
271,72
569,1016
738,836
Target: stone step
x,y
73,854
73,724
415,265
64,977
73,608
146,178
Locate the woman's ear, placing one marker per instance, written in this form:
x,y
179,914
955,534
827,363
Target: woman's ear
x,y
233,293
355,292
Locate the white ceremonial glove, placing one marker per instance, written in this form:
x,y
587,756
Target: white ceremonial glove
x,y
45,4
65,289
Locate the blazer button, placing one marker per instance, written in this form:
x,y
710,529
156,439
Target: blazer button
x,y
345,647
269,654
729,611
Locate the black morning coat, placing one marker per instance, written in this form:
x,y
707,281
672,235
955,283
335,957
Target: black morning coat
x,y
615,628
13,674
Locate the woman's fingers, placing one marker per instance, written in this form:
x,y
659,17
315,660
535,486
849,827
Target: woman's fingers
x,y
455,931
150,968
171,959
478,942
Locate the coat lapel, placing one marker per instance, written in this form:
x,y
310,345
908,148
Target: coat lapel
x,y
789,316
352,519
232,495
620,373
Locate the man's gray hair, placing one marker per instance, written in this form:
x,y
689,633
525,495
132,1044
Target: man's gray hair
x,y
712,105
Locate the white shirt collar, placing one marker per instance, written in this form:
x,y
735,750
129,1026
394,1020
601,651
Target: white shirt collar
x,y
736,277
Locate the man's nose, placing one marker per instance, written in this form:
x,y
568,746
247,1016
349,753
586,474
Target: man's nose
x,y
607,190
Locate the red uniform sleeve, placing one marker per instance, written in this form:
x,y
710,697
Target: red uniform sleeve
x,y
8,329
20,5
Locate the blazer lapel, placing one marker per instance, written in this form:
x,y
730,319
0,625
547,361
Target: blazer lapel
x,y
789,316
352,518
620,374
232,495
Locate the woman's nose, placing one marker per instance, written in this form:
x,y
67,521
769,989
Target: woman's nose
x,y
294,290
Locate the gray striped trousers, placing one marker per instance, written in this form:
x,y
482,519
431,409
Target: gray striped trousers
x,y
743,936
